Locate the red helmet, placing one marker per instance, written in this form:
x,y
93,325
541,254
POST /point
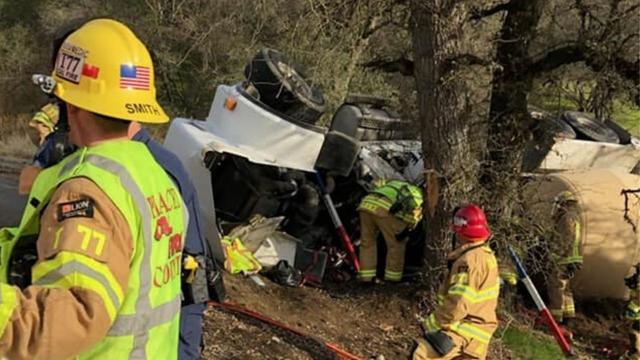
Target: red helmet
x,y
470,222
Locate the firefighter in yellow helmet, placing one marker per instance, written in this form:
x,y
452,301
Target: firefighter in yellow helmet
x,y
465,318
43,122
392,208
565,245
105,226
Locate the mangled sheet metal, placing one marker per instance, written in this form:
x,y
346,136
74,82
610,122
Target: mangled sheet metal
x,y
376,159
270,141
567,154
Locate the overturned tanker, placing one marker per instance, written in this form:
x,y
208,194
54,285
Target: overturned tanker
x,y
610,213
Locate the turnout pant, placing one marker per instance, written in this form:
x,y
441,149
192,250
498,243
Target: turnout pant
x,y
634,339
560,294
424,351
390,226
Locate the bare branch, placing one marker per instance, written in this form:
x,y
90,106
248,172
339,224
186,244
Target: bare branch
x,y
400,65
573,52
478,14
453,63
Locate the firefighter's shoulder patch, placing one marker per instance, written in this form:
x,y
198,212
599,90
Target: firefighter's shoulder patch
x,y
74,209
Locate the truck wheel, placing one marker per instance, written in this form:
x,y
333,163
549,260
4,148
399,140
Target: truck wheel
x,y
623,134
588,128
283,87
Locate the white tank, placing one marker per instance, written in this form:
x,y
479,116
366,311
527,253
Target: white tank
x,y
611,240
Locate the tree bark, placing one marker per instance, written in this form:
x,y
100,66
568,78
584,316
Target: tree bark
x,y
509,123
436,29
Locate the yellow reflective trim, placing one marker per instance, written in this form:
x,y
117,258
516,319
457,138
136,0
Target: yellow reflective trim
x,y
571,260
464,329
633,306
470,331
576,240
473,296
392,275
8,301
58,268
56,239
556,312
460,278
431,323
87,283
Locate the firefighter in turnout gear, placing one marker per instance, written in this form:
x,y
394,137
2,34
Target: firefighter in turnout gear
x,y
465,318
565,245
43,123
105,227
392,208
632,313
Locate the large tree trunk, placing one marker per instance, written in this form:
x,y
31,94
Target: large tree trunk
x,y
509,123
436,28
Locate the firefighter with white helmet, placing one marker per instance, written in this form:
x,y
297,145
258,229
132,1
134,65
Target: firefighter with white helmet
x,y
106,225
465,318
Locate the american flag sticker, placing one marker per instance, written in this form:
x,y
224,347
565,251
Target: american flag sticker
x,y
134,77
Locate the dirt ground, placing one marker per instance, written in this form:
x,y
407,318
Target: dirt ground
x,y
367,321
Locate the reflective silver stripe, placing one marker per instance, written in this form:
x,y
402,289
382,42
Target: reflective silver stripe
x,y
129,324
76,266
72,163
144,313
143,303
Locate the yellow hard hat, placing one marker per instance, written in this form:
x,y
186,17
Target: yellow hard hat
x,y
104,68
565,197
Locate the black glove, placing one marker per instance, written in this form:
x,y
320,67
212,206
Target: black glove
x,y
571,269
440,342
632,281
404,234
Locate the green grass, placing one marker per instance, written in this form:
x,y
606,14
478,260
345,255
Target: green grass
x,y
628,117
527,345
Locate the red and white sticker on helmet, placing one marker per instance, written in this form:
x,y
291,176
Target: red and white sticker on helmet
x,y
70,62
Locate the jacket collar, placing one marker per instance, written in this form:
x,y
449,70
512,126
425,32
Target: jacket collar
x,y
460,250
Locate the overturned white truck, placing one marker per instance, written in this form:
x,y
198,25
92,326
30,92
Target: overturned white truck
x,y
259,148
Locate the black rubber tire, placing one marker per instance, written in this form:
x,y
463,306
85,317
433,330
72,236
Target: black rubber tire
x,y
283,86
588,128
556,126
623,134
548,126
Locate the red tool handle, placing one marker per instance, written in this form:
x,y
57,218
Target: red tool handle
x,y
555,329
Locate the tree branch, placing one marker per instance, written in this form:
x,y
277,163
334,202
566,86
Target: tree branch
x,y
400,65
570,53
478,14
553,58
452,63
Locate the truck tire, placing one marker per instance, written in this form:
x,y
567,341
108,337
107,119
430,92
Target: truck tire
x,y
558,127
623,134
283,87
590,129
